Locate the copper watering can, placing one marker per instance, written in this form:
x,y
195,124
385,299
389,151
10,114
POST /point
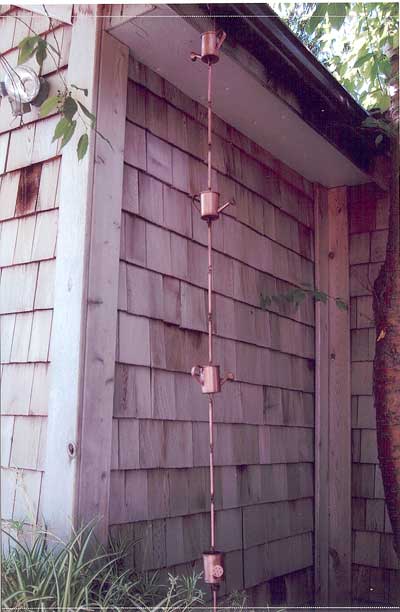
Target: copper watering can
x,y
211,43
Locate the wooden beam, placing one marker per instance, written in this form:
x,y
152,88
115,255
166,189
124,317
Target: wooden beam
x,y
321,528
68,332
101,324
339,402
333,414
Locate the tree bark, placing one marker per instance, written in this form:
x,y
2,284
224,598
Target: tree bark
x,y
386,305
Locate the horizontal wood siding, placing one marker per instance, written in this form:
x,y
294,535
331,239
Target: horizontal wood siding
x,y
375,566
264,420
29,202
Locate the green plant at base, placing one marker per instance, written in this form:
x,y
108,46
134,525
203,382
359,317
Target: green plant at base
x,y
50,574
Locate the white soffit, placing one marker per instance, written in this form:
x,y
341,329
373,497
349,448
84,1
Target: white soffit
x,y
163,41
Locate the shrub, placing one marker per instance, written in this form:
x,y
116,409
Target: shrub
x,y
49,574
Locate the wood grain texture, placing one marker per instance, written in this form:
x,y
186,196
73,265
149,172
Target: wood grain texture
x,y
321,401
264,420
333,414
59,485
102,298
339,402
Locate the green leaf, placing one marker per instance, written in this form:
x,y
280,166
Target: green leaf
x,y
82,147
387,127
373,73
362,59
385,66
68,133
378,139
316,18
41,52
48,106
27,48
370,122
340,304
337,14
61,127
320,296
69,107
88,114
298,295
383,102
265,301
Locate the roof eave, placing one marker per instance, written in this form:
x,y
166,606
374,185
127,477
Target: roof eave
x,y
293,74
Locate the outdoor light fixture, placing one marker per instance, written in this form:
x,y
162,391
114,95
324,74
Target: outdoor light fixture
x,y
24,88
208,376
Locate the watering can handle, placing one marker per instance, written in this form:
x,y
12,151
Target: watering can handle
x,y
197,372
221,35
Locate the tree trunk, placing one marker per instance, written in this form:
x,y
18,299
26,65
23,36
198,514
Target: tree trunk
x,y
386,304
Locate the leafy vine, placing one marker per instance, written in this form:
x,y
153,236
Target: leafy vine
x,y
74,113
71,109
297,295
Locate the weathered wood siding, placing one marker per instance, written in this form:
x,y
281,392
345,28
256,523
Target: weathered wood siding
x,y
264,431
29,199
375,566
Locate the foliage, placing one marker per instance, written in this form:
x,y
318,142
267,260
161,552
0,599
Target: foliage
x,y
68,107
66,102
236,601
297,16
31,45
79,574
352,41
297,295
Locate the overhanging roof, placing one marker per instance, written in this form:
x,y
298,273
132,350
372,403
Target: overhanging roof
x,y
267,84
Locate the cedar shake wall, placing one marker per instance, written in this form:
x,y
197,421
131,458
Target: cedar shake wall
x,y
264,420
375,578
29,186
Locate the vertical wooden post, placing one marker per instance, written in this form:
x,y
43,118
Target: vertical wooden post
x,y
101,324
333,402
58,507
321,400
78,454
339,481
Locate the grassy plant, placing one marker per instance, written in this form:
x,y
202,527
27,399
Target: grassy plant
x,y
235,601
49,575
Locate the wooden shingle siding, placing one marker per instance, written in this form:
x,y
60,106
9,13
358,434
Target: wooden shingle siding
x,y
264,439
8,193
4,144
29,185
32,144
6,432
375,567
18,285
30,455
